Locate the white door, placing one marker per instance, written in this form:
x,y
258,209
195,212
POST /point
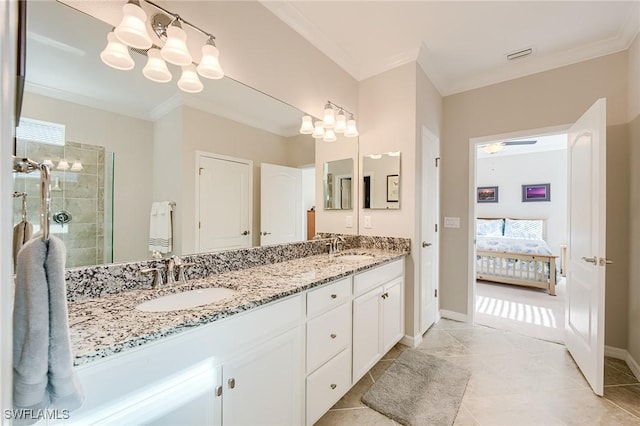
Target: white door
x,y
429,246
281,209
264,387
223,203
584,328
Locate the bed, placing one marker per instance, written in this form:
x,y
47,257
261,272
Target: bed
x,y
513,251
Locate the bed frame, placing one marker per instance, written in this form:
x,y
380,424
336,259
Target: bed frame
x,y
529,270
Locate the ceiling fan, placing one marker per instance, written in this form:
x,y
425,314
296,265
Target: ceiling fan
x,y
492,148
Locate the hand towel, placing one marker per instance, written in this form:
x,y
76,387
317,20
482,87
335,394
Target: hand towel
x,y
21,234
42,357
161,227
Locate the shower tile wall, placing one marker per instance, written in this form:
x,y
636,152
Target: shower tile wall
x,y
79,193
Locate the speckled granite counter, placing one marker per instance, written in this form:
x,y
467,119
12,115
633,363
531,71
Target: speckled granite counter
x,y
106,325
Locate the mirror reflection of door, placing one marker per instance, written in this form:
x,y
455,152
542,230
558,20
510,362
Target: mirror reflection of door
x,y
345,193
366,190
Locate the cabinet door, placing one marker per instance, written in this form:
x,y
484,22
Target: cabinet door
x,y
392,314
265,385
367,314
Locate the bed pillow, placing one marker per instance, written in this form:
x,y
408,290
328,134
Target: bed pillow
x,y
489,227
523,228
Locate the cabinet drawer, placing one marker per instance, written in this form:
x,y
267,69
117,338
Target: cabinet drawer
x,y
327,335
328,296
374,277
327,385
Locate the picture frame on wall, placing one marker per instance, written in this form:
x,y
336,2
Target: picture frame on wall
x,y
537,192
393,188
487,194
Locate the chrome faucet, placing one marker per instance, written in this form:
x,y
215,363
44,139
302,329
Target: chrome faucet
x,y
334,245
181,266
171,264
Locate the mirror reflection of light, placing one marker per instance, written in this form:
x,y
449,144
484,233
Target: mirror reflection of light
x,y
530,314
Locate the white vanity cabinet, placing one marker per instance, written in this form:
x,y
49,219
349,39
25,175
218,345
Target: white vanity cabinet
x,y
246,369
328,350
378,314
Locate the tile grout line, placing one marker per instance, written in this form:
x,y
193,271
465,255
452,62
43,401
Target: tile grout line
x,y
620,407
622,385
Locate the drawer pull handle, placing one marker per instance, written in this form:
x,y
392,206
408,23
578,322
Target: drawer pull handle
x,y
333,386
219,391
333,296
232,383
333,335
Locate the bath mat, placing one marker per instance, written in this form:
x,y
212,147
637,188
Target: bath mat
x,y
419,389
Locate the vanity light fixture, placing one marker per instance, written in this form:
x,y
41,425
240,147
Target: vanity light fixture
x,y
76,166
170,46
62,164
492,148
48,162
331,124
393,153
375,156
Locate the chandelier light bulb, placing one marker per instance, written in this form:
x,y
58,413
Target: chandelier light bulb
x,y
329,120
307,125
175,49
209,66
156,68
329,136
318,130
341,122
132,30
351,130
62,165
116,54
189,81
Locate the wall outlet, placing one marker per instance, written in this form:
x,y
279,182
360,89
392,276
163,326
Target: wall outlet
x,y
349,223
452,222
367,222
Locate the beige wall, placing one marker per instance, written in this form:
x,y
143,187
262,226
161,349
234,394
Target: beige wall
x,y
131,140
551,98
634,200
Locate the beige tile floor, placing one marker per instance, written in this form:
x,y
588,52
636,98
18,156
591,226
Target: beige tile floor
x,y
515,380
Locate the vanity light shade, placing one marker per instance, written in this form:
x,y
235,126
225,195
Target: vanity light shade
x,y
329,120
116,54
62,165
341,122
329,136
318,130
189,81
209,66
132,30
307,125
352,130
175,49
48,162
77,166
156,69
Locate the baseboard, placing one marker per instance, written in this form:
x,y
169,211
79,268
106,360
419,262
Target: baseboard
x,y
624,355
617,353
633,365
411,341
456,316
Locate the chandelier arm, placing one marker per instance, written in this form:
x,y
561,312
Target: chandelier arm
x,y
179,18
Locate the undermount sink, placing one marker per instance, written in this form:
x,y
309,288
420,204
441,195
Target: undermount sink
x,y
185,300
354,257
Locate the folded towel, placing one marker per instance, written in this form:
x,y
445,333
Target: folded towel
x,y
42,359
161,227
21,234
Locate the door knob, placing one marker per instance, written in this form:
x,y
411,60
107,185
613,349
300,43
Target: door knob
x,y
604,261
426,244
265,233
593,259
246,233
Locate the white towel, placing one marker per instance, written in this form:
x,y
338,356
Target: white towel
x,y
160,227
43,373
21,234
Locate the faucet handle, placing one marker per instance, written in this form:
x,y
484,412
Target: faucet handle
x,y
157,276
181,268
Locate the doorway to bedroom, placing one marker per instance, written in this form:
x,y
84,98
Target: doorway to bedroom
x,y
521,232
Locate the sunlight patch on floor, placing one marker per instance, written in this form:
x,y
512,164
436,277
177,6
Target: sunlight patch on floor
x,y
517,311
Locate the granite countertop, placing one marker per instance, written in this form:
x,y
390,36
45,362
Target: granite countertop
x,y
108,325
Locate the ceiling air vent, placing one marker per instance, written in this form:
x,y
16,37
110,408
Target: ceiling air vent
x,y
40,131
519,54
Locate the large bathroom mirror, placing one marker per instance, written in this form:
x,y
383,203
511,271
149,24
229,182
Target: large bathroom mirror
x,y
338,184
381,181
143,137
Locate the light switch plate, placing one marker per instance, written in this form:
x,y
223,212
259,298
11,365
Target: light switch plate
x,y
452,222
349,223
367,222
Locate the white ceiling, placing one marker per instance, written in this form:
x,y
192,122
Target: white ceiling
x,y
461,45
544,143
